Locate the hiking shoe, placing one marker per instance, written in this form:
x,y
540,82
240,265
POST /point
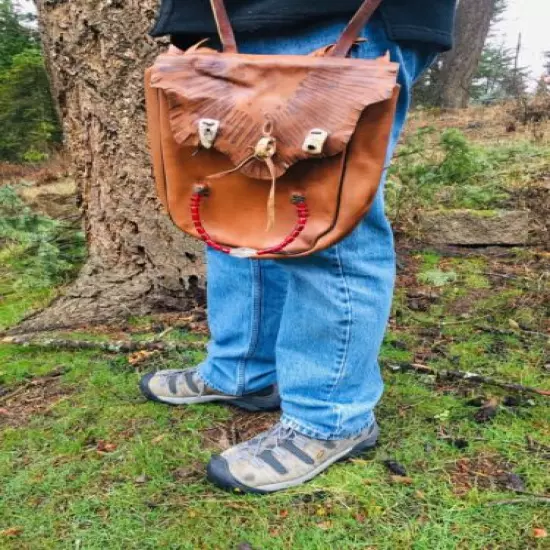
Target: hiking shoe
x,y
184,387
281,458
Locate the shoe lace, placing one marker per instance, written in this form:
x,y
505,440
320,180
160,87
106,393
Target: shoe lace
x,y
269,440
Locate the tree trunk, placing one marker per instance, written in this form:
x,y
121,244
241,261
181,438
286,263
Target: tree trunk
x,y
473,20
96,51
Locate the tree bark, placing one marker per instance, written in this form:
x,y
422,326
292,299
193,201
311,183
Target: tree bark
x,y
473,20
96,51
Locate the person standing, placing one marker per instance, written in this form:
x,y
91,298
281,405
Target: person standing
x,y
303,334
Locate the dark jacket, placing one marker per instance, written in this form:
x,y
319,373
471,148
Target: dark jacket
x,y
429,21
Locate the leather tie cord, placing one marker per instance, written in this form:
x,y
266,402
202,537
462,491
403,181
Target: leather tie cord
x,y
264,150
271,198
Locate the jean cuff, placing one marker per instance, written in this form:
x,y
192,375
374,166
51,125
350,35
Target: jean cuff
x,y
309,431
213,386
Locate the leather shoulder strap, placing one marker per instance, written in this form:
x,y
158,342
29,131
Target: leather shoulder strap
x,y
341,48
225,30
352,31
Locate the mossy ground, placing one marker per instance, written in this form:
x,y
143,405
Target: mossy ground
x,y
87,463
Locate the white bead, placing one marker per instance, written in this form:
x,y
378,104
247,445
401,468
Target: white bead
x,y
315,141
242,252
208,130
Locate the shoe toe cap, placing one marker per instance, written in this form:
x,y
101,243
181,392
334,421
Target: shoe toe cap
x,y
145,388
219,474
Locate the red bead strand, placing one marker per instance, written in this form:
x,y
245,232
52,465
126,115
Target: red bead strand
x,y
196,198
201,191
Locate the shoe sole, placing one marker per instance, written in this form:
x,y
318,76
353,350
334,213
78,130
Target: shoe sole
x,y
252,404
217,471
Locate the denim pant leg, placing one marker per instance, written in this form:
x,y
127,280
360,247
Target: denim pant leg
x,y
337,307
245,302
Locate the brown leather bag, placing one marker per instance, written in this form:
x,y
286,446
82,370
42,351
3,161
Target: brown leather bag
x,y
269,156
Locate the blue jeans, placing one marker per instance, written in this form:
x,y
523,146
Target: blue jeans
x,y
313,325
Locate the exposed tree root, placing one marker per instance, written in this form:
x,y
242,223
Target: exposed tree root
x,y
105,297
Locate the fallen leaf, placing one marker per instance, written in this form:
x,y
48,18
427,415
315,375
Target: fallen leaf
x,y
140,356
224,441
539,533
325,525
158,439
105,447
141,479
513,324
488,411
11,532
404,480
283,513
395,468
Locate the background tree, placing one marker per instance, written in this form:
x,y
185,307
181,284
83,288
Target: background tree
x,y
543,87
543,83
473,20
96,51
14,35
498,76
495,76
27,115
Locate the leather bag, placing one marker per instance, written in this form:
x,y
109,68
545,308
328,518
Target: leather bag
x,y
269,156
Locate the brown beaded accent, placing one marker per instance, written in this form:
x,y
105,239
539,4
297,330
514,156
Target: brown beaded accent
x,y
201,191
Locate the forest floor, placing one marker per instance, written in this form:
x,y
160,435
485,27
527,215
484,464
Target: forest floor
x,y
86,463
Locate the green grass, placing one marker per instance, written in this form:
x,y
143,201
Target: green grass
x,y
15,300
59,491
445,170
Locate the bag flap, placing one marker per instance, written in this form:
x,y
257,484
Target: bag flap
x,y
292,94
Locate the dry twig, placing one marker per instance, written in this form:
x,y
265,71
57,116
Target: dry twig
x,y
120,346
466,376
530,500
